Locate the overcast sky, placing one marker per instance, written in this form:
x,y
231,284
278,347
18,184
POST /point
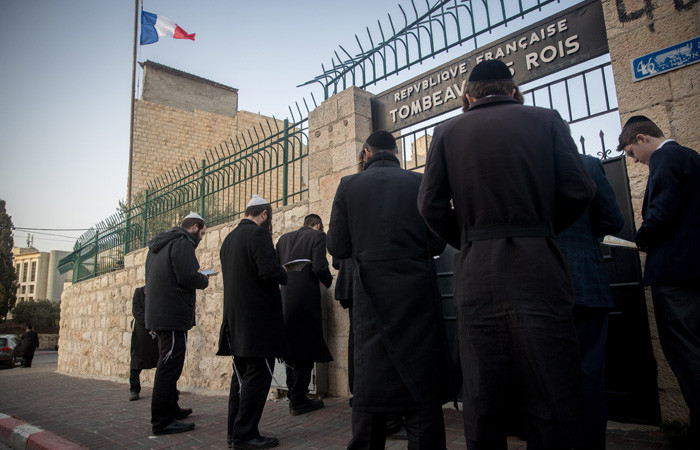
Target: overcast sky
x,y
65,82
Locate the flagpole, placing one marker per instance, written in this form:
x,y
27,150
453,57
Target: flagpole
x,y
133,103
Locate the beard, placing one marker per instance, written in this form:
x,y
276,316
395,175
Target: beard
x,y
196,239
267,224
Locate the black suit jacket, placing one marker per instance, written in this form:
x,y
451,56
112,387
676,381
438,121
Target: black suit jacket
x,y
670,231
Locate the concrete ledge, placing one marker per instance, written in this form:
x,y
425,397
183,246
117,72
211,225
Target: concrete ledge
x,y
23,436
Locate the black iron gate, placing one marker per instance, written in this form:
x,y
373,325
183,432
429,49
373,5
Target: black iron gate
x,y
630,375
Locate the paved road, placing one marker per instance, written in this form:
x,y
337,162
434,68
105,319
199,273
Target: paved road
x,y
97,414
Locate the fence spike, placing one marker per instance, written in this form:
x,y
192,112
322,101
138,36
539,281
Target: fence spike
x,y
362,50
405,18
415,11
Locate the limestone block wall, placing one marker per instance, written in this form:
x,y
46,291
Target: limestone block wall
x,y
166,137
672,100
95,329
48,341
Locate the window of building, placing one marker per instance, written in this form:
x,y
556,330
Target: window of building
x,y
25,269
17,270
24,289
31,289
33,271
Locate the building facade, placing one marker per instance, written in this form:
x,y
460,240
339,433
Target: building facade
x,y
37,274
178,117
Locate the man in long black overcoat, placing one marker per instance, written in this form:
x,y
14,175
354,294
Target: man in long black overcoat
x,y
301,302
401,356
253,327
28,345
144,345
500,180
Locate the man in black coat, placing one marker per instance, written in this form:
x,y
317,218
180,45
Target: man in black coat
x,y
670,236
144,346
301,302
253,327
29,344
172,276
500,181
580,243
401,357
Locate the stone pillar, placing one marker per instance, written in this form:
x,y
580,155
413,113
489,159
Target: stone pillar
x,y
337,130
635,28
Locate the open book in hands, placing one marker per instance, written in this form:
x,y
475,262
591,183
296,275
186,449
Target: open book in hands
x,y
208,272
296,265
617,242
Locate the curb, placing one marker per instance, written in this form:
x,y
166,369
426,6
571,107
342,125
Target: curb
x,y
20,435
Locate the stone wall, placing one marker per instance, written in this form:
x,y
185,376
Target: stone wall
x,y
95,329
95,333
635,28
166,137
48,341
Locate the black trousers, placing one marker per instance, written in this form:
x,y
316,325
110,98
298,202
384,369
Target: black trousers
x,y
28,357
172,346
425,429
135,380
250,384
298,379
592,331
677,311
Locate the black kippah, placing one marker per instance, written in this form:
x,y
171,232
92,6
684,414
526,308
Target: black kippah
x,y
490,70
381,140
634,119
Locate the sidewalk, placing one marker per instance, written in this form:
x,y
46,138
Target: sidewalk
x,y
97,414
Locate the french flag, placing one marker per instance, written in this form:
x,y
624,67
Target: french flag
x,y
154,26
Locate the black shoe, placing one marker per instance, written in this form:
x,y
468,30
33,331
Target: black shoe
x,y
258,442
183,413
307,406
174,427
133,396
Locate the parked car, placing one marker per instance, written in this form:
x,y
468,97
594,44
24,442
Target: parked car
x,y
9,344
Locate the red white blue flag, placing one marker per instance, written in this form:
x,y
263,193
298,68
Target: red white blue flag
x,y
154,26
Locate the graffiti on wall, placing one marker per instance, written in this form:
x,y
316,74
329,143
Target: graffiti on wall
x,y
648,10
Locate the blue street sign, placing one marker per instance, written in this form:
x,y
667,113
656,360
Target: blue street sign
x,y
665,60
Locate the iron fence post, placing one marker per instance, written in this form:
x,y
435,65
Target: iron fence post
x,y
97,252
76,269
202,189
144,220
127,231
285,162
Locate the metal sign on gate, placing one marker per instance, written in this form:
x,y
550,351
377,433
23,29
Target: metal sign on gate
x,y
571,37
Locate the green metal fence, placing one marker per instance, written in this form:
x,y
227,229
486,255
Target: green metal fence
x,y
270,161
